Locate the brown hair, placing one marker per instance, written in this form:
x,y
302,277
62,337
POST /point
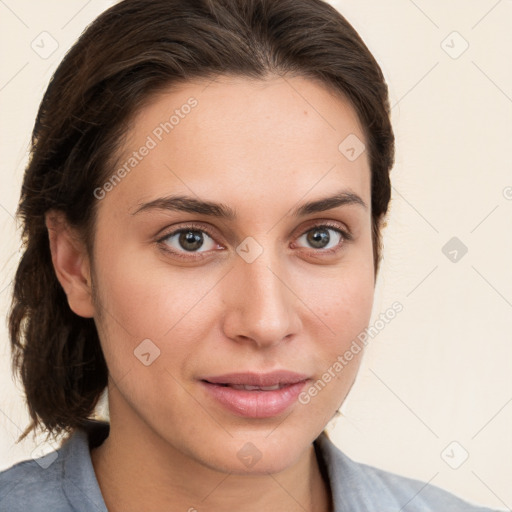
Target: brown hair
x,y
130,52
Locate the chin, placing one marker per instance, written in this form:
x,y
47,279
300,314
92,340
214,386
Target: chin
x,y
259,453
251,460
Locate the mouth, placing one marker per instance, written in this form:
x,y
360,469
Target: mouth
x,y
248,387
255,395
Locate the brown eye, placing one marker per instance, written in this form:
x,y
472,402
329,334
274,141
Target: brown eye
x,y
318,237
323,237
188,240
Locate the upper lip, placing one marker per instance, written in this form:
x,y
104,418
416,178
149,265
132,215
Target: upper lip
x,y
258,379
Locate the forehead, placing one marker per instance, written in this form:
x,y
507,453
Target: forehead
x,y
243,136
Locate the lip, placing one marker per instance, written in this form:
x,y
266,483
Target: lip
x,y
257,403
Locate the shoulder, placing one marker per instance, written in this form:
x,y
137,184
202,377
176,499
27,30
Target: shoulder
x,y
58,480
34,484
357,486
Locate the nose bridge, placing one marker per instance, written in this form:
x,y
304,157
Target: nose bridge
x,y
260,306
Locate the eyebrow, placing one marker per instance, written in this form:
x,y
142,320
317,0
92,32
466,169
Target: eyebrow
x,y
222,211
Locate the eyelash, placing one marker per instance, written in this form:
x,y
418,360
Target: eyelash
x,y
191,255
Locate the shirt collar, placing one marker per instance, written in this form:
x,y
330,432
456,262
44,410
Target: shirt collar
x,y
354,486
79,480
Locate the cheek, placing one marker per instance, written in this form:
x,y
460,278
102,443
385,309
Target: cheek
x,y
342,305
151,314
341,298
339,353
145,296
348,311
141,299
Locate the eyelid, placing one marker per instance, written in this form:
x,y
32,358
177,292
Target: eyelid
x,y
337,226
166,233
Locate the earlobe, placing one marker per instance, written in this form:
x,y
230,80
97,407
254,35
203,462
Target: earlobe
x,y
71,263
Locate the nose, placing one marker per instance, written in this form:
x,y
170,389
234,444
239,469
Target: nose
x,y
261,307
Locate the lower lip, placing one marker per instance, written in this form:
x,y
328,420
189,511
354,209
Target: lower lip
x,y
255,404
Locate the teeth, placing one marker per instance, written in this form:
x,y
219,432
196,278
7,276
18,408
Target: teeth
x,y
244,387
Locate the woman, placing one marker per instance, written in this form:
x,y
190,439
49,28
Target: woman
x,y
202,215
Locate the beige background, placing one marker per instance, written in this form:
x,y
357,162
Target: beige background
x,y
441,370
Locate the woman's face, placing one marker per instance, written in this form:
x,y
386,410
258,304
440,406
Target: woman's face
x,y
261,289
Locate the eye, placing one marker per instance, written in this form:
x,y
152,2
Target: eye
x,y
324,237
188,239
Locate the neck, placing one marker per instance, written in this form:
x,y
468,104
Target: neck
x,y
138,470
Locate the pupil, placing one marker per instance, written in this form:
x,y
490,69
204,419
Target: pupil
x,y
318,237
191,240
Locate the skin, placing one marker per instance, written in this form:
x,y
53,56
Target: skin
x,y
262,148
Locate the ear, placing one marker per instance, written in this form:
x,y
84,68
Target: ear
x,y
71,263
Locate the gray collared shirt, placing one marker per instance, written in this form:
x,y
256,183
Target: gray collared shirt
x,y
64,481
